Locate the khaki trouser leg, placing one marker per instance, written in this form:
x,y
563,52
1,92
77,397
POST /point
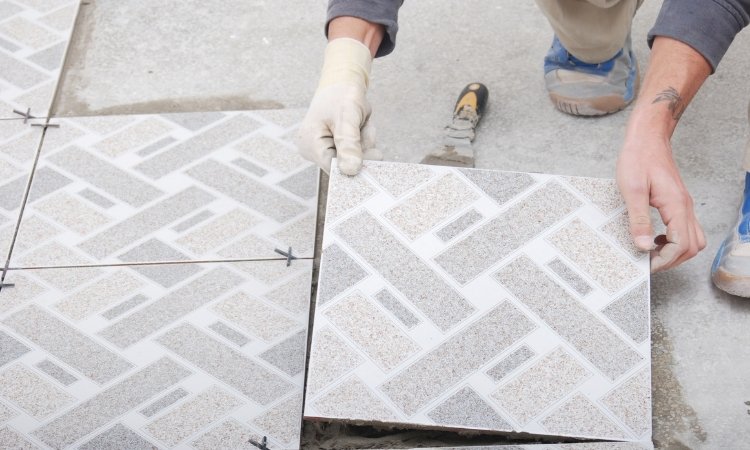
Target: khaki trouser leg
x,y
591,30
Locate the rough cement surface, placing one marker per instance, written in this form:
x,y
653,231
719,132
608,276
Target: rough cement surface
x,y
701,357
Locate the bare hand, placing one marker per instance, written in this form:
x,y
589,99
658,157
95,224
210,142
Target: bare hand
x,y
648,176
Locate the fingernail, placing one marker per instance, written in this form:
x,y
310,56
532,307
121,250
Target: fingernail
x,y
645,243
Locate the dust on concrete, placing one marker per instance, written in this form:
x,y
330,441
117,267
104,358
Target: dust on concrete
x,y
673,418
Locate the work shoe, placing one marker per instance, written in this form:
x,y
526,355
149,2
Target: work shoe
x,y
731,268
584,89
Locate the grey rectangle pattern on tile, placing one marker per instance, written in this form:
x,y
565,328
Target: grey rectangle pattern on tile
x,y
507,232
10,348
111,403
568,317
229,333
164,402
243,374
146,221
68,344
175,305
510,363
56,372
398,309
105,176
340,272
124,307
459,356
245,190
570,276
459,225
442,304
467,409
288,355
196,147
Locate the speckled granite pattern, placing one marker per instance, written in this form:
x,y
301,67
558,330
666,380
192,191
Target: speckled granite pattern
x,y
154,188
479,313
33,38
171,370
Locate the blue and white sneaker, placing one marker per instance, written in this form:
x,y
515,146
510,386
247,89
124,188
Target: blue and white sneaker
x,y
731,268
584,89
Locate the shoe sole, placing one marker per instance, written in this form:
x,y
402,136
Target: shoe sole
x,y
597,106
732,284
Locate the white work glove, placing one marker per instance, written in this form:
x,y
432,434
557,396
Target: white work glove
x,y
338,121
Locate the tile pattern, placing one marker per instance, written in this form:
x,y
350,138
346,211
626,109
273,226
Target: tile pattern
x,y
158,374
19,143
480,313
33,37
163,188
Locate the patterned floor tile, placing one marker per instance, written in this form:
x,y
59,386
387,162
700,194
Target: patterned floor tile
x,y
467,299
165,188
19,143
33,37
110,357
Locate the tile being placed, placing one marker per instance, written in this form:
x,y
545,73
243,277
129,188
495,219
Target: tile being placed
x,y
480,314
167,188
160,373
33,38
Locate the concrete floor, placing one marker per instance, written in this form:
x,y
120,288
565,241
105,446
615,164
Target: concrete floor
x,y
246,54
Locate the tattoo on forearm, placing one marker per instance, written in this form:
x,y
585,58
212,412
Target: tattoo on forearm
x,y
675,102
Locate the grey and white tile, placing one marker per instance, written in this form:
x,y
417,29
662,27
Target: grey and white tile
x,y
476,313
33,38
19,143
159,373
98,195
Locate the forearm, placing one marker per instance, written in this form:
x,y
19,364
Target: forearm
x,y
370,34
675,74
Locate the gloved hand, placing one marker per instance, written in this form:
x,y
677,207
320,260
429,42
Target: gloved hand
x,y
337,123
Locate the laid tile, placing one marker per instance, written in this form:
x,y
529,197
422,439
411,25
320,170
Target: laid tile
x,y
164,402
31,393
13,439
474,313
56,372
105,200
121,436
122,359
34,36
19,144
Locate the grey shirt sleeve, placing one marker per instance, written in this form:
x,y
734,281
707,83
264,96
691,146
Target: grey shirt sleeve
x,y
709,26
383,12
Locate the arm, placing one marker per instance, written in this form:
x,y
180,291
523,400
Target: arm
x,y
688,41
646,171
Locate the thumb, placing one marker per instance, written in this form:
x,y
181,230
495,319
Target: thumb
x,y
639,218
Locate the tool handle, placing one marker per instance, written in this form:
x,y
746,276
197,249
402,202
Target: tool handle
x,y
474,95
